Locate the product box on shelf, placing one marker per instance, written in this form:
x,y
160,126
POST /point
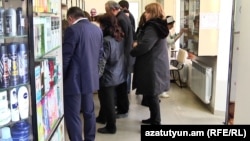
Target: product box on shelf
x,y
39,48
47,32
53,109
51,69
45,117
5,113
59,133
40,124
38,81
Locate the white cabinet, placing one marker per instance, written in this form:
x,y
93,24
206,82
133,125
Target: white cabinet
x,y
201,17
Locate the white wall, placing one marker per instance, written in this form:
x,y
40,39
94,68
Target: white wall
x,y
242,98
221,90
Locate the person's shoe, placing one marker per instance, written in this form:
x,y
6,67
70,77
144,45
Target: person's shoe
x,y
99,120
118,115
155,123
105,130
164,95
146,121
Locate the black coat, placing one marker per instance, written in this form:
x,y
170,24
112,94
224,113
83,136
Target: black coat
x,y
151,69
127,28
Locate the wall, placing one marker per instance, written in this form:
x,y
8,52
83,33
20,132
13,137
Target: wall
x,y
242,98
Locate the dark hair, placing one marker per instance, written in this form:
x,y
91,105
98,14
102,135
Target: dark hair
x,y
75,12
125,10
110,26
124,4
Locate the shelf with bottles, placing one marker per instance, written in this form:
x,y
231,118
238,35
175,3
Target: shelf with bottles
x,y
14,82
190,16
21,130
15,113
46,35
12,23
14,104
15,92
47,6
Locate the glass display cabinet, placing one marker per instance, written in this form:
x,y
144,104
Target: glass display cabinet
x,y
190,10
31,87
201,17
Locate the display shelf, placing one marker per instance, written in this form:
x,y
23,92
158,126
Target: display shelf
x,y
30,31
201,17
190,10
15,93
47,59
10,37
11,87
47,53
58,122
44,14
13,122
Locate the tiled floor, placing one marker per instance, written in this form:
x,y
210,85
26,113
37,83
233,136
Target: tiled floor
x,y
182,107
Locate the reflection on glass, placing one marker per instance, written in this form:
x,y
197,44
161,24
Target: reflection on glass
x,y
190,10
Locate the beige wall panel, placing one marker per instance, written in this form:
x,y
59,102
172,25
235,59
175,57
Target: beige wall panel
x,y
208,42
209,6
170,7
98,5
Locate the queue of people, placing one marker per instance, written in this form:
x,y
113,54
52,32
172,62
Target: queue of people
x,y
102,58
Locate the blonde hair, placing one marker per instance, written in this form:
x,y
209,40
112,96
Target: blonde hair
x,y
156,10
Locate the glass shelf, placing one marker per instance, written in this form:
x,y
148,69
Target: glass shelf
x,y
40,57
10,37
11,87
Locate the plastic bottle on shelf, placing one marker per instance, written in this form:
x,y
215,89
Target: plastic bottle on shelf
x,y
6,135
14,75
4,71
4,109
23,63
1,21
20,131
20,21
10,22
14,105
23,102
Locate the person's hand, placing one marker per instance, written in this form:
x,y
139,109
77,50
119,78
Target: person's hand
x,y
183,30
135,44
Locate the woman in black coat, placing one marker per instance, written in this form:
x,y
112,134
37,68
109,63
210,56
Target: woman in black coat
x,y
151,69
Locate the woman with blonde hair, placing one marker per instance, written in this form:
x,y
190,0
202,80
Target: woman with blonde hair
x,y
151,69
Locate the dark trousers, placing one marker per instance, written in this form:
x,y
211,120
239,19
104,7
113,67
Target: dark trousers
x,y
129,83
72,106
154,107
107,106
122,98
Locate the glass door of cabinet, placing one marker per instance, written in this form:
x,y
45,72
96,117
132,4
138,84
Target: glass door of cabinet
x,y
46,70
15,93
190,10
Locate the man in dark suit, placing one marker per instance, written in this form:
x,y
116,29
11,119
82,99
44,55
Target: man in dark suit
x,y
81,48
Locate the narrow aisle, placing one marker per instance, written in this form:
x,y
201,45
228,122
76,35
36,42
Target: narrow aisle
x,y
182,107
